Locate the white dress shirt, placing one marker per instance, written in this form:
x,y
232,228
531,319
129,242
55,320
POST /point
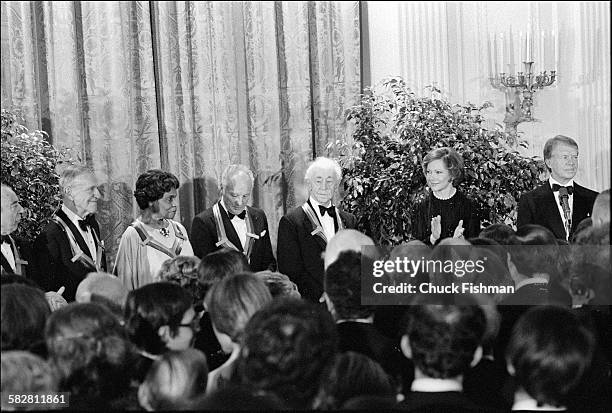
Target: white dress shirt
x,y
8,254
239,226
87,235
570,201
326,221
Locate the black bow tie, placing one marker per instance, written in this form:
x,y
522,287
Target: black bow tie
x,y
241,215
556,187
331,210
5,238
86,223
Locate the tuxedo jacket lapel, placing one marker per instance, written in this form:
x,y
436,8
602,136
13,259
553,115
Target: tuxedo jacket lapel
x,y
308,225
230,231
554,217
581,207
75,231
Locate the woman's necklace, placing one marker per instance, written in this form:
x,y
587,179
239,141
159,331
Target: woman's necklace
x,y
442,198
159,226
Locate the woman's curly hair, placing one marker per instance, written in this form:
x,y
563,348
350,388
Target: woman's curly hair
x,y
152,185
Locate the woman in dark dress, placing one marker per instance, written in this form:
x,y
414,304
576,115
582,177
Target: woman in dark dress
x,y
445,212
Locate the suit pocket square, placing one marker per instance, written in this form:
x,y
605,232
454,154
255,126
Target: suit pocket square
x,y
252,235
263,233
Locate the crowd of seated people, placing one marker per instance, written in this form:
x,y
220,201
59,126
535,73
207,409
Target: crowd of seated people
x,y
212,334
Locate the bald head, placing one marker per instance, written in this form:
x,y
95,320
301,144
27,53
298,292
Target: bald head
x,y
345,240
102,284
601,209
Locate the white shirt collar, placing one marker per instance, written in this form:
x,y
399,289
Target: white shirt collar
x,y
227,210
531,404
427,384
315,204
533,280
552,181
71,215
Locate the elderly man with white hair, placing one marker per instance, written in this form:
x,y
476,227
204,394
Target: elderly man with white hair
x,y
70,246
16,251
231,223
304,232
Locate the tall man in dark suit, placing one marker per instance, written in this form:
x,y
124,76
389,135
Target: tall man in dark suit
x,y
16,251
231,223
304,232
70,246
559,204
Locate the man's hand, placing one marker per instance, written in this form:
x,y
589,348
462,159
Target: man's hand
x,y
55,299
459,230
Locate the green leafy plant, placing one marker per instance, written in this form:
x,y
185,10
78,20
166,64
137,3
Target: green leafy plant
x,y
393,129
29,167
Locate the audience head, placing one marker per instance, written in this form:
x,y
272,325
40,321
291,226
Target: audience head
x,y
11,210
589,267
239,397
443,341
534,251
345,240
174,381
601,209
501,233
236,186
90,350
287,348
24,372
231,302
351,375
79,188
322,179
548,354
342,285
581,227
561,158
279,284
24,312
183,270
218,265
160,317
443,167
156,191
101,287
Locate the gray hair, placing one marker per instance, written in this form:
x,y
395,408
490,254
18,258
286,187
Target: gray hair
x,y
70,173
323,163
231,170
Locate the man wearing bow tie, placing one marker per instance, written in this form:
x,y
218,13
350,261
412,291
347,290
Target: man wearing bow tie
x,y
305,231
231,223
70,246
560,203
16,251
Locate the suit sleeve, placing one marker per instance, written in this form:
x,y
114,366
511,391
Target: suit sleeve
x,y
525,211
288,251
202,238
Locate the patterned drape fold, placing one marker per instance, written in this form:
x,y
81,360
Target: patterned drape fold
x,y
185,86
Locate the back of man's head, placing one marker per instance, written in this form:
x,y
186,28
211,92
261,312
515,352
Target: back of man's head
x,y
342,285
548,353
443,339
287,348
601,209
534,250
101,284
498,232
218,265
345,240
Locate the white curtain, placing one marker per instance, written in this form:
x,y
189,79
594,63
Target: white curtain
x,y
445,44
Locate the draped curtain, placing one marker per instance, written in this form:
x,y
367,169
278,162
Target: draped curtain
x,y
188,87
445,44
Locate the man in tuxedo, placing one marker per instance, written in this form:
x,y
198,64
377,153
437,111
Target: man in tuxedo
x,y
231,223
70,246
305,231
16,251
559,204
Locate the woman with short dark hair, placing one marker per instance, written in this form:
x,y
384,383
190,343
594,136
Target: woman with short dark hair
x,y
154,236
445,212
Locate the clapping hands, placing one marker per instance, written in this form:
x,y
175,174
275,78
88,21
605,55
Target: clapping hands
x,y
436,229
